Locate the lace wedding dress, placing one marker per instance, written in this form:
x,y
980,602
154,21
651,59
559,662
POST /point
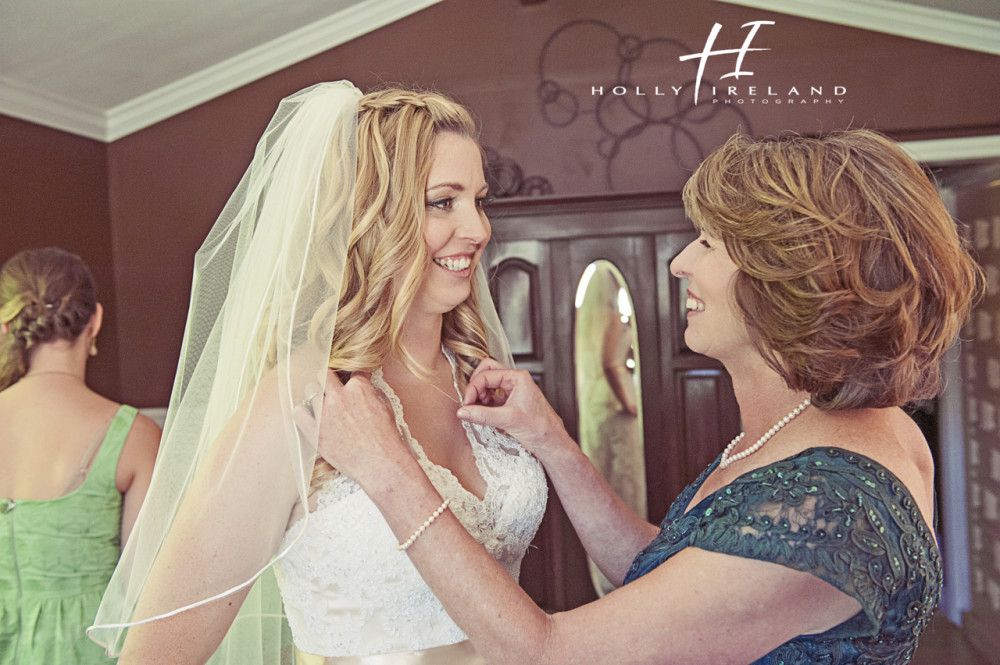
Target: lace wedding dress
x,y
348,591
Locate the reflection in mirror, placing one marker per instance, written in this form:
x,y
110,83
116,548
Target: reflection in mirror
x,y
609,402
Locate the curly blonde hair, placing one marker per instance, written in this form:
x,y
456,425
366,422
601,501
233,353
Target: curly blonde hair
x,y
853,279
45,295
396,132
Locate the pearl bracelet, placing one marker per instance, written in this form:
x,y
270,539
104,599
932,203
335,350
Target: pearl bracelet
x,y
402,547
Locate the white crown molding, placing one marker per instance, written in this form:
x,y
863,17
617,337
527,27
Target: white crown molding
x,y
964,149
70,116
40,108
896,18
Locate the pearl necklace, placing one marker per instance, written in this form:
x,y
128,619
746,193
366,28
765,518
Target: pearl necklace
x,y
726,460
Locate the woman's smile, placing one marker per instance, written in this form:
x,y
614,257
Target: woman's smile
x,y
693,304
457,264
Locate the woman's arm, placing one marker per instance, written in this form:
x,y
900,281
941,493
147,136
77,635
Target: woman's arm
x,y
135,469
228,527
610,531
697,608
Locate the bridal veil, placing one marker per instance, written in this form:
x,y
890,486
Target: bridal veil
x,y
260,326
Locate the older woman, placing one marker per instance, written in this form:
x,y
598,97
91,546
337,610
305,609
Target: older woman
x,y
829,280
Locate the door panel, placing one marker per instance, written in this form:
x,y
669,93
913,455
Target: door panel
x,y
539,252
697,391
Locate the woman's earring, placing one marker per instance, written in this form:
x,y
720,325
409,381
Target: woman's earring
x,y
93,346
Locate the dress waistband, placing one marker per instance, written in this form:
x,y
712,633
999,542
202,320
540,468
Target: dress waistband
x,y
462,653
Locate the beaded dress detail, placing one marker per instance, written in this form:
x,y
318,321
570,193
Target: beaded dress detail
x,y
837,515
346,588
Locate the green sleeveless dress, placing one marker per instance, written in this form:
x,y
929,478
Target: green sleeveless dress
x,y
56,557
837,515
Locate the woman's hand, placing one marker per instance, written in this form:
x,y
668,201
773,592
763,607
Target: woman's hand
x,y
356,434
509,400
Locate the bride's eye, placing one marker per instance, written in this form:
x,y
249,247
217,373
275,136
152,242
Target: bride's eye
x,y
442,203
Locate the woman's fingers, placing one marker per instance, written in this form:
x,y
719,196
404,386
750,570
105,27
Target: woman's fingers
x,y
334,380
487,364
305,420
483,396
490,416
491,386
357,429
511,400
521,409
304,414
366,376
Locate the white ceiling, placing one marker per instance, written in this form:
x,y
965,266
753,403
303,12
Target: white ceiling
x,y
106,68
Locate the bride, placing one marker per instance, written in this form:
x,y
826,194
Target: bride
x,y
352,242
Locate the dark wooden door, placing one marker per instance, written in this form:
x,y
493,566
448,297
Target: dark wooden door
x,y
539,252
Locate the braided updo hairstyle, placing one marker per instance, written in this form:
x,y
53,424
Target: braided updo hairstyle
x,y
45,295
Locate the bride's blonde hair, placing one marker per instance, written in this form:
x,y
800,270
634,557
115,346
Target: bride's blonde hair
x,y
387,258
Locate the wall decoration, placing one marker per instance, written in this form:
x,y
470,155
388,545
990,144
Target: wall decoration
x,y
506,178
646,94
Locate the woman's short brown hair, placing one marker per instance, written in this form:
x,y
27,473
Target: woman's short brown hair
x,y
853,279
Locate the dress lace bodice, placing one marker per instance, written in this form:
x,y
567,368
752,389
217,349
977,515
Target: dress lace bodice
x,y
346,588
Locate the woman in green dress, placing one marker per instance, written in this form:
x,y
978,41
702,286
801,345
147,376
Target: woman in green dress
x,y
75,465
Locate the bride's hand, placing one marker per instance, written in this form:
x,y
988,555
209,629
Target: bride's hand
x,y
509,400
356,430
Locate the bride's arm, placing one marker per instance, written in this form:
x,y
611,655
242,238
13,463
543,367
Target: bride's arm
x,y
610,531
697,608
229,526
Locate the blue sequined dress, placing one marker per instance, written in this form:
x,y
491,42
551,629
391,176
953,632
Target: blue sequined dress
x,y
833,513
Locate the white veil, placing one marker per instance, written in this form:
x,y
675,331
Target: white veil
x,y
266,286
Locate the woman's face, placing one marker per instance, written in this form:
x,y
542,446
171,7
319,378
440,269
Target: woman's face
x,y
455,226
714,326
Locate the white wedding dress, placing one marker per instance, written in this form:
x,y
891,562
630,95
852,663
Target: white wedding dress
x,y
348,591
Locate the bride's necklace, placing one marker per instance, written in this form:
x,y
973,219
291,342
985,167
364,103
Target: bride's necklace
x,y
726,460
451,397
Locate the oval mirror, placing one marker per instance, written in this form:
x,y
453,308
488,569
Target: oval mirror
x,y
609,400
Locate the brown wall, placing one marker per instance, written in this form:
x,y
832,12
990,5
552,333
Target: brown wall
x,y
144,203
54,191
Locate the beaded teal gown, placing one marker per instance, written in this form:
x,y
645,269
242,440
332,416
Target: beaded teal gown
x,y
837,515
56,557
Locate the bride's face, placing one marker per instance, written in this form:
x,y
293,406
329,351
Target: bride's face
x,y
455,225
